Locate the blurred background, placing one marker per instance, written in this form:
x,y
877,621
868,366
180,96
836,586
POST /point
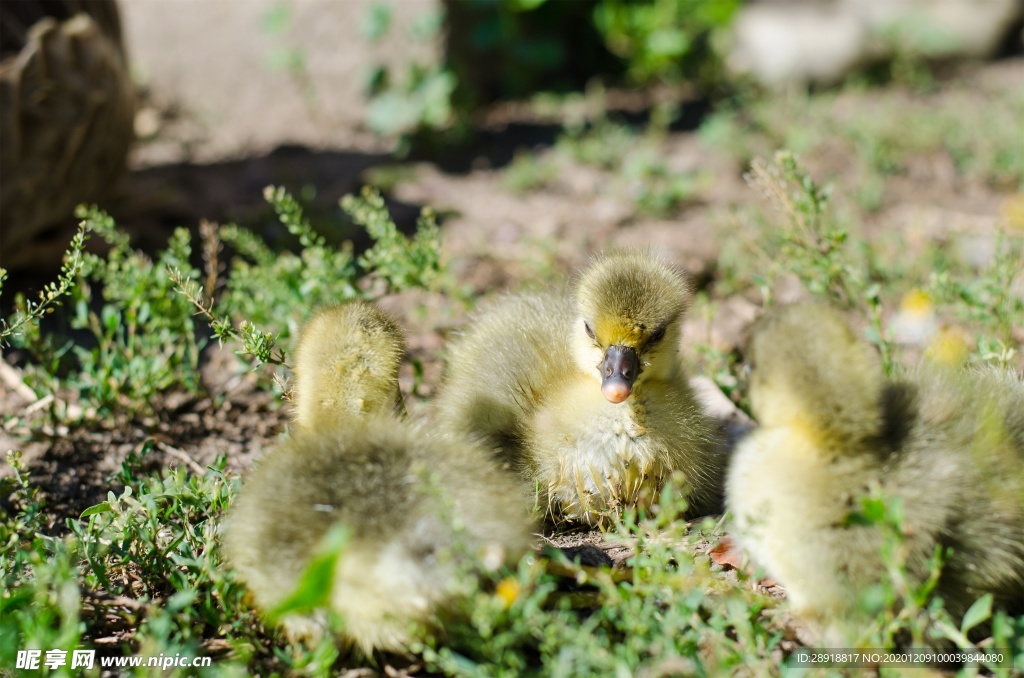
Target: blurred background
x,y
206,101
540,130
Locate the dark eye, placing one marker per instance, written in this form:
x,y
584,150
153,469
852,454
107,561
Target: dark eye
x,y
656,336
589,329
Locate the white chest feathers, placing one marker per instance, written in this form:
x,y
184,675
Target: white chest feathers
x,y
593,457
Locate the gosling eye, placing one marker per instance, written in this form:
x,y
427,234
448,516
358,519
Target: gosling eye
x,y
656,336
589,329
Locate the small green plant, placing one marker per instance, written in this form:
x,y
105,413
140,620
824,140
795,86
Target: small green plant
x,y
663,613
395,261
145,338
41,604
415,99
986,300
530,172
664,40
901,605
287,55
912,42
814,248
142,341
902,609
655,189
420,100
882,132
812,245
73,593
28,312
267,294
499,50
632,159
602,143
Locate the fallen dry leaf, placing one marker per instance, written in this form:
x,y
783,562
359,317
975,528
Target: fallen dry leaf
x,y
727,554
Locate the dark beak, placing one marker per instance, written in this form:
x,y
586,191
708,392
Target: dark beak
x,y
618,372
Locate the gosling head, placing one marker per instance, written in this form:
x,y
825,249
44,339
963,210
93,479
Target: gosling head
x,y
809,369
346,364
627,330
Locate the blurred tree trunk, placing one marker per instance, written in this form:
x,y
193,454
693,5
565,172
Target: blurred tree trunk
x,y
66,114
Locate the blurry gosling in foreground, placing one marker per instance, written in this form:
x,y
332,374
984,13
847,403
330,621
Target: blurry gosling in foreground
x,y
420,512
583,392
947,445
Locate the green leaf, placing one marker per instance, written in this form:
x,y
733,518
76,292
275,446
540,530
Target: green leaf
x,y
278,18
111,318
428,26
314,587
392,113
103,507
979,612
181,600
376,22
525,5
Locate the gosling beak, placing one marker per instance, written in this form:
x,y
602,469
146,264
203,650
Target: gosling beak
x,y
618,372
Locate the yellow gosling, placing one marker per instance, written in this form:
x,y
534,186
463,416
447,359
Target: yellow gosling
x,y
422,510
582,392
946,444
346,365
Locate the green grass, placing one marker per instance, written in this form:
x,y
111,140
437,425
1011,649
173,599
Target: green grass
x,y
881,131
831,260
629,159
140,571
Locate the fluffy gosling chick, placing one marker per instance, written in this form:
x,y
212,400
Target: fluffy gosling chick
x,y
583,392
947,445
346,364
421,510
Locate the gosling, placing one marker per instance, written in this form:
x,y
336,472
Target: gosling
x,y
583,394
346,365
420,511
947,445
